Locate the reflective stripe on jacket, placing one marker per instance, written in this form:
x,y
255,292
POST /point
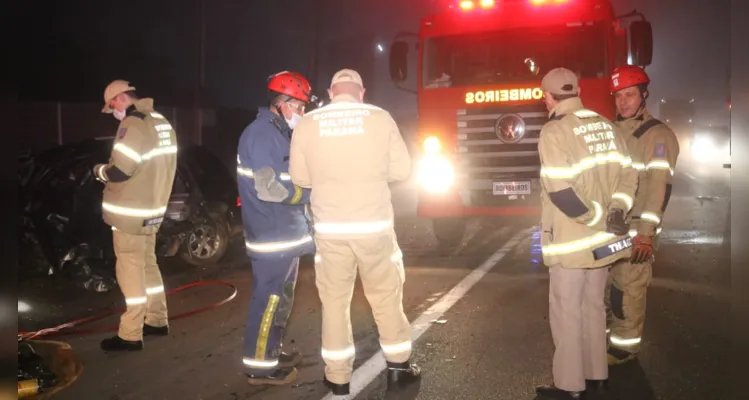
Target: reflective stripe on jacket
x,y
348,152
140,172
655,151
271,229
586,170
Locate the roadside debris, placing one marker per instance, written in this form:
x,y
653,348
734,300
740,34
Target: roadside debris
x,y
34,375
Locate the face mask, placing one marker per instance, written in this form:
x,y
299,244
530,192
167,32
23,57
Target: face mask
x,y
294,120
120,115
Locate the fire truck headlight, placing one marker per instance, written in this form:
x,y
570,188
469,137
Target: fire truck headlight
x,y
435,173
466,5
432,146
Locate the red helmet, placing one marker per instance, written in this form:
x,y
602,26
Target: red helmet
x,y
290,84
627,76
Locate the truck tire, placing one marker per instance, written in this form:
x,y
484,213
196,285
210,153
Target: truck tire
x,y
207,243
449,231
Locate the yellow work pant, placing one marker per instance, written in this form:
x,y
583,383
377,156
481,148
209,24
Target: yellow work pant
x,y
140,282
626,297
577,316
380,263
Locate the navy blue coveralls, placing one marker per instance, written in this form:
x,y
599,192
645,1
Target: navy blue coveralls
x,y
276,235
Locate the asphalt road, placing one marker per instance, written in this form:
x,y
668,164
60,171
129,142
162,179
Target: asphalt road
x,y
481,314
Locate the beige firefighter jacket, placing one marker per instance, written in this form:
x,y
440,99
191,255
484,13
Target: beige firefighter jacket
x,y
655,150
585,171
140,172
347,152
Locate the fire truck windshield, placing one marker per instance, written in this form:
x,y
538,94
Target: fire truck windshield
x,y
513,55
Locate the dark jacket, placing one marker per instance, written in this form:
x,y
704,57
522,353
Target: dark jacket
x,y
271,230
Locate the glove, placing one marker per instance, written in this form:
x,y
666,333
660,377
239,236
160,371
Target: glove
x,y
268,187
642,249
615,222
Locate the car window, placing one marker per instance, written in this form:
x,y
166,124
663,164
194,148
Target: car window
x,y
210,175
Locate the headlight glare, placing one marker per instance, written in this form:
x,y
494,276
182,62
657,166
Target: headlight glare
x,y
432,145
435,174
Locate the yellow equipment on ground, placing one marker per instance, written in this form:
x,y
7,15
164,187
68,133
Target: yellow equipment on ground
x,y
61,360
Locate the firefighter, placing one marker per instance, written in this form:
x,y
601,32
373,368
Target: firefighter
x,y
587,187
276,228
347,152
655,150
138,182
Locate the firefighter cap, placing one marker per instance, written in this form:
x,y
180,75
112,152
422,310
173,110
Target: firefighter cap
x,y
347,75
113,89
560,81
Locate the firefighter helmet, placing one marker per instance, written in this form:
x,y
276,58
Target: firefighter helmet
x,y
290,84
627,76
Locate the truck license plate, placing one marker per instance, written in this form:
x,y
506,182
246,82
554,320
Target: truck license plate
x,y
523,187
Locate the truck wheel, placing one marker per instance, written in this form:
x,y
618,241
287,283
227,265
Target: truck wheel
x,y
449,231
206,243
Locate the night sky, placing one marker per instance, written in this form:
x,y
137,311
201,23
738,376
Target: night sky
x,y
154,44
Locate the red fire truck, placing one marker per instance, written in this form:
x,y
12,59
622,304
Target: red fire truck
x,y
479,71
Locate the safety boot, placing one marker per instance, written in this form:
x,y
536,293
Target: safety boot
x,y
554,393
338,389
402,374
618,356
117,343
149,330
277,377
596,387
289,359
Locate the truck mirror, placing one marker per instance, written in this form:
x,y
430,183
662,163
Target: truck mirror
x,y
398,61
641,43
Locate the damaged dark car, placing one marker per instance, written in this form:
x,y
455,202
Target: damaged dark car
x,y
62,230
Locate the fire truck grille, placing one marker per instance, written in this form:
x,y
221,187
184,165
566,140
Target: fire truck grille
x,y
494,172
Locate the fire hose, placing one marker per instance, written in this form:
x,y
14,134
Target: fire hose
x,y
64,329
35,376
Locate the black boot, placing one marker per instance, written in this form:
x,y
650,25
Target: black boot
x,y
149,330
596,386
117,343
402,374
289,359
553,393
338,389
279,376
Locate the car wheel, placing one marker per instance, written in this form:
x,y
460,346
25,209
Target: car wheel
x,y
206,243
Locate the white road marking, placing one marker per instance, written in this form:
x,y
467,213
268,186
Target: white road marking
x,y
690,176
368,371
